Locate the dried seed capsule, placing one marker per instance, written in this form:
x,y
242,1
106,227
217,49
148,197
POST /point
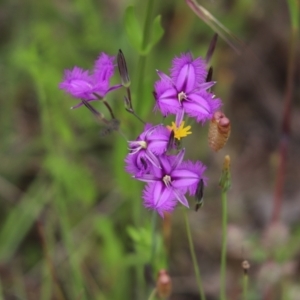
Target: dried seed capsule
x,y
219,131
245,266
163,284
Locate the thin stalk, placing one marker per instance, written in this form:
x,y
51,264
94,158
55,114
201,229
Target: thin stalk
x,y
224,247
129,98
225,184
140,77
152,295
131,111
153,245
194,258
153,249
245,286
139,81
286,119
143,58
246,267
109,109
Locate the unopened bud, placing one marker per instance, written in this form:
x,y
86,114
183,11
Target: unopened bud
x,y
171,141
199,194
125,79
209,74
211,48
219,131
163,284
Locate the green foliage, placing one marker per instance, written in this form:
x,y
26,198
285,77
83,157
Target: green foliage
x,y
133,29
294,13
145,243
135,34
20,219
71,175
156,35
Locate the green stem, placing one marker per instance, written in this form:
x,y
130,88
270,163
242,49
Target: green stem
x,y
153,246
224,246
245,286
194,258
140,75
147,24
139,84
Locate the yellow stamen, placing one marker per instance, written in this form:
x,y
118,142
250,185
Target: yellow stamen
x,y
181,131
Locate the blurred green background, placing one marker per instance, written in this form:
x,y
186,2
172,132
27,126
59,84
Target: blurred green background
x,y
72,224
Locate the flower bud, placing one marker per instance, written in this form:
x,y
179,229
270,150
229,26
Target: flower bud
x,y
209,74
163,284
125,79
199,194
219,131
211,48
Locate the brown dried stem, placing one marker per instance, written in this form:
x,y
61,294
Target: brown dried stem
x,y
285,129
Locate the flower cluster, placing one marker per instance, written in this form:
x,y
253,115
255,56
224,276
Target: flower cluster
x,y
169,178
90,86
155,157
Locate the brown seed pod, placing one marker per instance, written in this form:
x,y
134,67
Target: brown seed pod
x,y
219,131
163,284
245,266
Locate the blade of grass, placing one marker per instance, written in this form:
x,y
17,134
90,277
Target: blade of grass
x,y
286,120
48,259
77,284
21,218
233,41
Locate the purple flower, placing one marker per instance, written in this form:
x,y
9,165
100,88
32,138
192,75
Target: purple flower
x,y
168,184
104,69
78,83
82,85
145,149
186,90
